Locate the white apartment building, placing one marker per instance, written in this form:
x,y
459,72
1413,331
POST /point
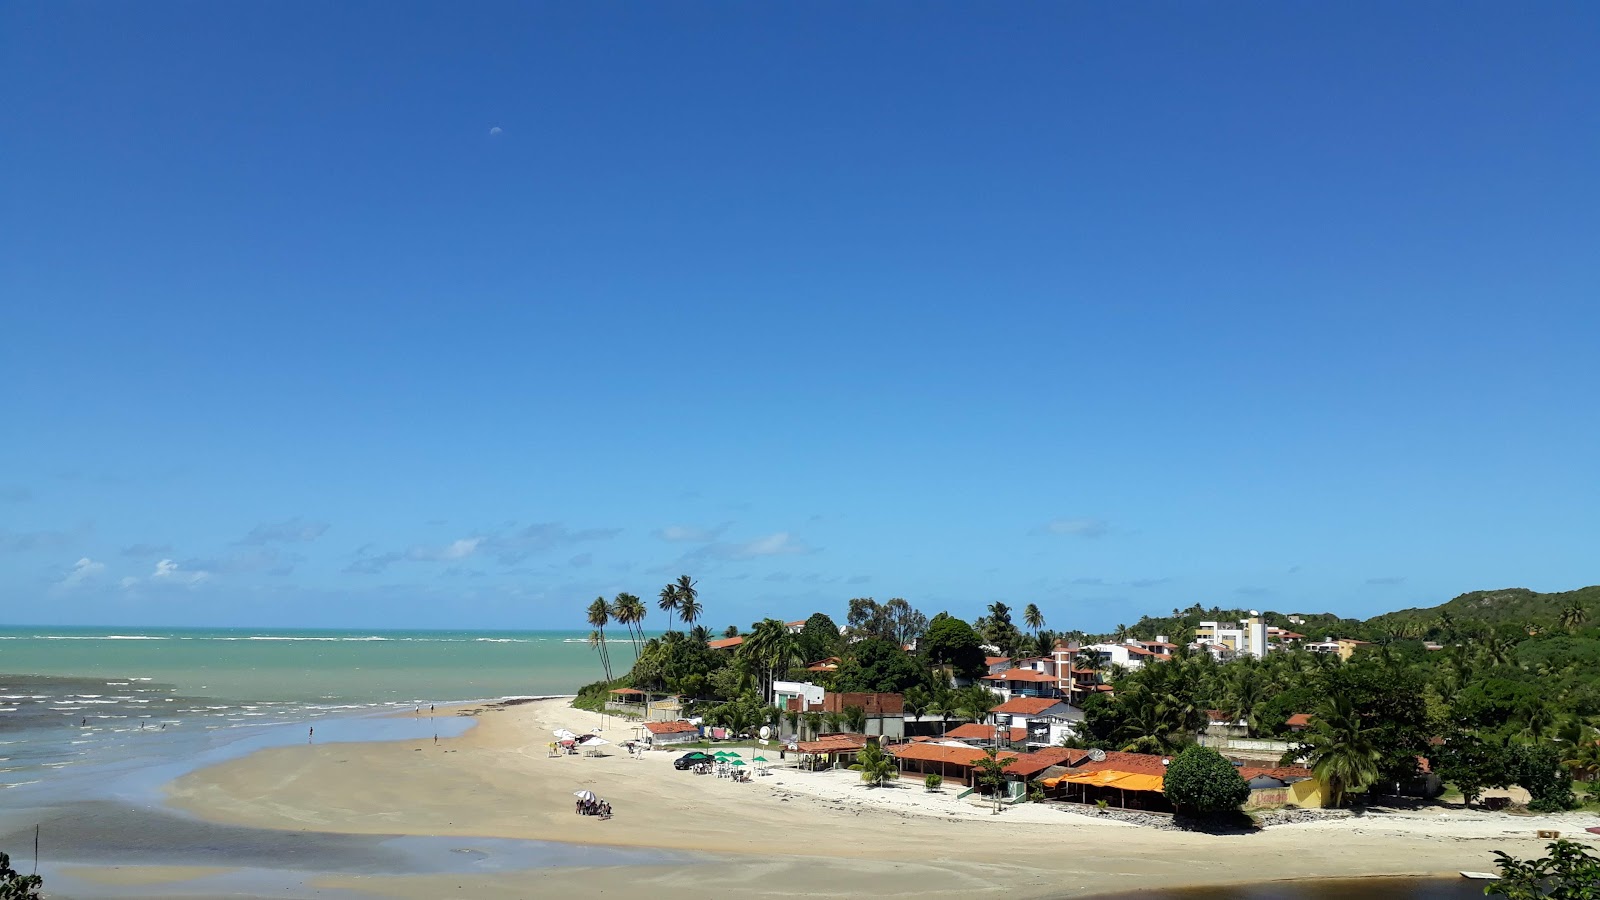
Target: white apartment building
x,y
1248,639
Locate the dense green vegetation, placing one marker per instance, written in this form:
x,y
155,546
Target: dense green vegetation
x,y
16,886
1201,782
1492,689
1568,872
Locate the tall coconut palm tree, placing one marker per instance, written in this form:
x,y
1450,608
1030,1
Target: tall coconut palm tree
x,y
1032,618
599,618
629,610
945,711
700,634
1572,617
770,650
1340,749
668,602
689,605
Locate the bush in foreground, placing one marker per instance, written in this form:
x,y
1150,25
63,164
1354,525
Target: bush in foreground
x,y
1201,782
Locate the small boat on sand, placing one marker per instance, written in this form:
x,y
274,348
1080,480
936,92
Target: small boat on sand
x,y
1481,876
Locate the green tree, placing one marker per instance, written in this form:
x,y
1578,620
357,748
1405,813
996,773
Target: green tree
x,y
945,711
770,649
819,638
668,602
1569,872
951,642
989,771
933,781
1200,782
630,611
1340,749
16,886
875,665
875,766
1032,618
854,719
689,606
1472,764
599,618
1572,617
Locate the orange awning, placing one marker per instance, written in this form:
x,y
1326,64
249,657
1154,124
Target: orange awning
x,y
1127,781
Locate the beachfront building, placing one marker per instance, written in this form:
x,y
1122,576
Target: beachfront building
x,y
1137,781
1046,720
981,735
649,705
1248,639
1023,682
828,751
885,713
803,693
728,644
667,734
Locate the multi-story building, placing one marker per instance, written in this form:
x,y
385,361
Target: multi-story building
x,y
1249,639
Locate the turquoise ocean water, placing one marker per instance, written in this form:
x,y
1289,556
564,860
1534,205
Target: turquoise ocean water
x,y
70,696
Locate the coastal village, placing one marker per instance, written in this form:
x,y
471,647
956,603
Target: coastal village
x,y
1025,721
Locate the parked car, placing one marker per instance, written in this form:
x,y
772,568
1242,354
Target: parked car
x,y
692,759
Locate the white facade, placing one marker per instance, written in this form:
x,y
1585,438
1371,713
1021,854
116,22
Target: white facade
x,y
1248,639
809,694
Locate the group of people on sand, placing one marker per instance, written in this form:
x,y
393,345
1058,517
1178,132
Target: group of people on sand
x,y
595,807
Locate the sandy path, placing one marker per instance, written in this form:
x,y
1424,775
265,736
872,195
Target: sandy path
x,y
790,834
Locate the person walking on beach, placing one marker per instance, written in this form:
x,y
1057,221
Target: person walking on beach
x,y
310,732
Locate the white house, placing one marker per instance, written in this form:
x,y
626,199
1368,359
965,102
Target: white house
x,y
665,734
1046,719
808,694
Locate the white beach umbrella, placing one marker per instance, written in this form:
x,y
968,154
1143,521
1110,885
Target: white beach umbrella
x,y
585,796
565,735
595,741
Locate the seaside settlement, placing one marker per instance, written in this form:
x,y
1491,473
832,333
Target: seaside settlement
x,y
1283,718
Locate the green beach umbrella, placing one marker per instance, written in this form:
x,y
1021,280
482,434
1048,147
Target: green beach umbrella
x,y
761,759
737,762
732,755
720,753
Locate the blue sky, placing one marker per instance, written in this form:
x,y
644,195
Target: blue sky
x,y
410,315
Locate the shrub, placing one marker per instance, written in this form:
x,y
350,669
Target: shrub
x,y
933,781
16,886
1201,782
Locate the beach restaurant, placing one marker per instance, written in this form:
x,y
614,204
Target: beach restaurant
x,y
953,763
1138,781
829,750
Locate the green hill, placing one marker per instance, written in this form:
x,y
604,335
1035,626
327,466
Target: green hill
x,y
1509,606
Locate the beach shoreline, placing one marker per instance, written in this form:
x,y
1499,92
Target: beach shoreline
x,y
790,832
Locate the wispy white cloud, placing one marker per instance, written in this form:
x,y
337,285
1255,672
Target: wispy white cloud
x,y
780,543
457,549
1082,526
84,571
168,574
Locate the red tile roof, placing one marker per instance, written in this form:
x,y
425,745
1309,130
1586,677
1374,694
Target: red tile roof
x,y
669,727
1298,720
973,731
995,660
1026,706
833,743
724,643
1132,649
1137,763
1027,765
795,624
1020,675
626,691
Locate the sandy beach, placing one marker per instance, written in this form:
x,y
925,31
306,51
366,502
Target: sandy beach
x,y
785,834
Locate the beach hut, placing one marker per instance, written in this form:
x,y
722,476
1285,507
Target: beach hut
x,y
667,734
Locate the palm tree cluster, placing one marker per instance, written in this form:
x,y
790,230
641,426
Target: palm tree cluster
x,y
679,597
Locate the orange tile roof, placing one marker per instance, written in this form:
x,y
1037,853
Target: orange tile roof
x,y
961,756
1298,720
724,643
995,660
833,743
1020,675
795,624
669,727
626,691
1026,706
973,731
1026,765
1116,761
1132,649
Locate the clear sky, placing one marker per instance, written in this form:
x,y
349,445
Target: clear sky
x,y
395,314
